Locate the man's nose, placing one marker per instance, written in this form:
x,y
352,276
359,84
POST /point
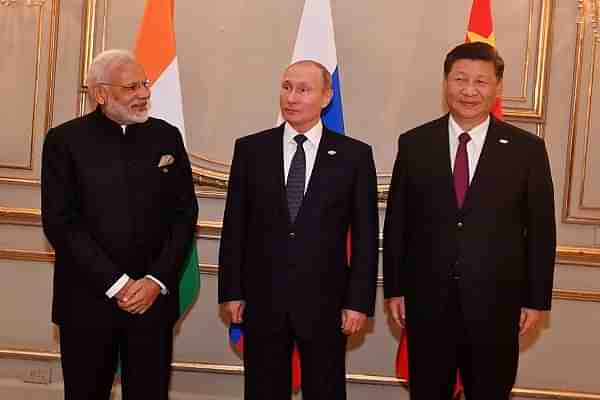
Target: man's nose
x,y
142,91
470,90
292,96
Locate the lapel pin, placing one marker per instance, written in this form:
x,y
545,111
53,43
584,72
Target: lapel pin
x,y
503,141
331,152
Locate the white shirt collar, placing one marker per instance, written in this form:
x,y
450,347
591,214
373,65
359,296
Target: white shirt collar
x,y
476,133
313,134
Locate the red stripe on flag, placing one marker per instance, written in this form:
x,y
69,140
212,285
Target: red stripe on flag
x,y
296,371
480,21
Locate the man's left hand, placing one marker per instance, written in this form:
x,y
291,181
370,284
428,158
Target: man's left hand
x,y
352,321
140,296
530,318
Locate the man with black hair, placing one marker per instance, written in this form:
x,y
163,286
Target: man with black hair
x,y
469,236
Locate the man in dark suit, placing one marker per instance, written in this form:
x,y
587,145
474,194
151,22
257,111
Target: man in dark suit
x,y
469,238
119,208
294,192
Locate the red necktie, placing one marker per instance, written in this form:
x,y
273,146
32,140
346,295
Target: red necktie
x,y
461,169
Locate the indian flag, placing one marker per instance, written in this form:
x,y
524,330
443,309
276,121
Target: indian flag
x,y
155,50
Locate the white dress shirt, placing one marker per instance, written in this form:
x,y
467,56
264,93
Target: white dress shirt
x,y
122,281
310,147
474,146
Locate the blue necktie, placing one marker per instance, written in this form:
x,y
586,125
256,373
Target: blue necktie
x,y
296,178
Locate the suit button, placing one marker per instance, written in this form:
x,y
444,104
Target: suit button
x,y
459,224
292,235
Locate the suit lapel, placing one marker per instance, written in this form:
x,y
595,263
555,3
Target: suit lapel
x,y
490,158
440,161
274,159
318,181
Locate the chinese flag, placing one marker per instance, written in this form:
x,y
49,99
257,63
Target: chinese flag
x,y
480,29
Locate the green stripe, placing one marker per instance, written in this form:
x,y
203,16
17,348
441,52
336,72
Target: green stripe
x,y
189,284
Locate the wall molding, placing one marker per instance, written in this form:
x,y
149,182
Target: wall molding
x,y
213,270
574,255
48,108
211,230
27,255
201,367
573,210
536,113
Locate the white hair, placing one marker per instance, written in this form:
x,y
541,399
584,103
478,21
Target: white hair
x,y
102,66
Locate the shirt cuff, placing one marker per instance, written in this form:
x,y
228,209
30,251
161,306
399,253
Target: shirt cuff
x,y
163,288
117,286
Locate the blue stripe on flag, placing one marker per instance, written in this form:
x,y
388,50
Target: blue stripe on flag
x,y
333,115
235,333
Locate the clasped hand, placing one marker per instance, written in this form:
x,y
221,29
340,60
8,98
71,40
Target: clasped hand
x,y
137,296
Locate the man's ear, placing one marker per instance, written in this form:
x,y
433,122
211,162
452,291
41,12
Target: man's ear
x,y
500,88
99,94
328,97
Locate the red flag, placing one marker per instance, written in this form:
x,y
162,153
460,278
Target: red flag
x,y
296,372
480,29
402,358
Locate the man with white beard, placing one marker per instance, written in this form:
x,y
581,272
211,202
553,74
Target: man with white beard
x,y
119,208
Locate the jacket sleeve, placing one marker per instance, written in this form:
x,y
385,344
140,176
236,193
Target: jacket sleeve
x,y
540,231
364,234
169,264
233,236
394,229
62,221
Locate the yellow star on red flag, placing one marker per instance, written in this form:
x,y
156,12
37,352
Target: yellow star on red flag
x,y
475,37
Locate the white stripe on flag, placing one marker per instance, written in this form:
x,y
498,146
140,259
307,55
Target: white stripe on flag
x,y
166,97
315,40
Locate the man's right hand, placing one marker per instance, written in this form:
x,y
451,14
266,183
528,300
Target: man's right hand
x,y
234,310
397,310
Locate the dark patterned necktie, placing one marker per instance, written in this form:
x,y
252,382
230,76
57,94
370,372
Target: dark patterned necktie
x,y
461,169
296,178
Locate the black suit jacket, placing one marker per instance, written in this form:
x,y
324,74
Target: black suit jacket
x,y
501,243
300,270
108,209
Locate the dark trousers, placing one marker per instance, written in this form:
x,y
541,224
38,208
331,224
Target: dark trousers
x,y
89,358
436,348
267,365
